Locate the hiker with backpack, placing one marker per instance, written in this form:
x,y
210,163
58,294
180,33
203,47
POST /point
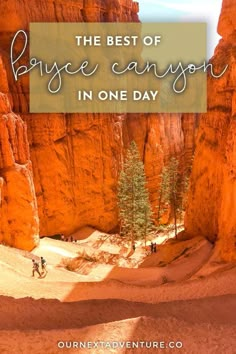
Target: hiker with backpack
x,y
35,268
43,265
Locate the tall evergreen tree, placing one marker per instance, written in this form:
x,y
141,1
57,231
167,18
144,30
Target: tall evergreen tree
x,y
133,199
175,190
164,194
172,193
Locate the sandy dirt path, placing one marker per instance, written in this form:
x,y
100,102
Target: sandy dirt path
x,y
128,304
203,326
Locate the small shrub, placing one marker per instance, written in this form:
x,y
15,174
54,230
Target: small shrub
x,y
69,264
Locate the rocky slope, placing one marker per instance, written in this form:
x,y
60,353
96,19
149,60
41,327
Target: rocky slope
x,y
212,202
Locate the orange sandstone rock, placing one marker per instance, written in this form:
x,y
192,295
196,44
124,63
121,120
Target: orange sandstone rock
x,y
76,158
212,201
18,207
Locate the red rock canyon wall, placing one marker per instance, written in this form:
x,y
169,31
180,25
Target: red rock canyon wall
x,y
75,158
18,206
212,202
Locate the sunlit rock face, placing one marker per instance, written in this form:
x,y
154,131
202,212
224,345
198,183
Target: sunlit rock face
x,y
75,159
212,201
18,206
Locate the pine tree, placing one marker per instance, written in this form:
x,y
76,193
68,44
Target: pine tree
x,y
175,195
172,193
133,199
164,194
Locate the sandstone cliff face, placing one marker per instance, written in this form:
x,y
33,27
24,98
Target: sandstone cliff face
x,y
18,207
76,158
212,201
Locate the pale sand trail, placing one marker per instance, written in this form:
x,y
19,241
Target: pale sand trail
x,y
198,312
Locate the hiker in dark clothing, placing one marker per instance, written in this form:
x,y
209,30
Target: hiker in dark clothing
x,y
35,268
134,247
43,265
151,247
155,247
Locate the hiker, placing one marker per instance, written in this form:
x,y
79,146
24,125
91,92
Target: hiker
x,y
151,247
71,239
155,247
134,247
43,265
35,268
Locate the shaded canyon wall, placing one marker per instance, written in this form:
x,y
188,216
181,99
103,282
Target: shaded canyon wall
x,y
212,202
